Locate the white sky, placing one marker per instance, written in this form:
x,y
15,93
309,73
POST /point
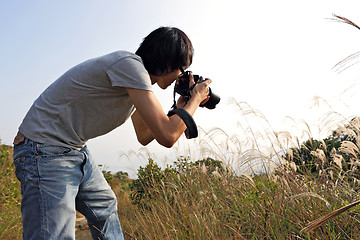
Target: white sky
x,y
274,55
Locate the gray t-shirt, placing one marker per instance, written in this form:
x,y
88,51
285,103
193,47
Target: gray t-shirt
x,y
87,101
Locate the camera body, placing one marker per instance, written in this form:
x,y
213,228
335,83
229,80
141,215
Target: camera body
x,y
182,88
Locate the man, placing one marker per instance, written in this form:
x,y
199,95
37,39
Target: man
x,y
57,173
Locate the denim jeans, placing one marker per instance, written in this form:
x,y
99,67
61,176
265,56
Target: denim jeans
x,y
57,181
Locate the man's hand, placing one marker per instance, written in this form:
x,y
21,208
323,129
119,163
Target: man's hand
x,y
202,91
182,101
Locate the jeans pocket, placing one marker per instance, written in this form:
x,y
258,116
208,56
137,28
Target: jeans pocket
x,y
55,151
19,164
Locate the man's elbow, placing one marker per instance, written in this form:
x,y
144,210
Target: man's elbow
x,y
167,141
144,141
167,144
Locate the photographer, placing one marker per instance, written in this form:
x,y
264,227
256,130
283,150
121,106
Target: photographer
x,y
57,173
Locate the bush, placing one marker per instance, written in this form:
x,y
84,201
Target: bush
x,y
335,157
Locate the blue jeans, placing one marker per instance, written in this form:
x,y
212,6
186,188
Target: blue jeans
x,y
57,181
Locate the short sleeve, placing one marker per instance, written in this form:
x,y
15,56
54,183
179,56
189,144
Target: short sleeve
x,y
129,72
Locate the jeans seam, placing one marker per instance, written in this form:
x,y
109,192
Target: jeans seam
x,y
83,166
88,206
42,207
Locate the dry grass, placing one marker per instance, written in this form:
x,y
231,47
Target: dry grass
x,y
261,196
318,222
266,199
10,215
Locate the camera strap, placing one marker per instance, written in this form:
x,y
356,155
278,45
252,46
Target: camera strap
x,y
191,131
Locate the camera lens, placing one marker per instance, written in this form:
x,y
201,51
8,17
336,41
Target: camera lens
x,y
213,100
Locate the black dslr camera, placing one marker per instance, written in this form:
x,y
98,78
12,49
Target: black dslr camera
x,y
182,88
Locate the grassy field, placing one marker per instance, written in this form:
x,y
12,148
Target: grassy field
x,y
10,197
282,190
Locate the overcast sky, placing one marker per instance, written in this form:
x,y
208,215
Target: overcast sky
x,y
277,56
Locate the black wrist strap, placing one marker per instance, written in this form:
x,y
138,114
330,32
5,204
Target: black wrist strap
x,y
191,131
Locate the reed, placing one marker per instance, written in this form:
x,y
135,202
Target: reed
x,y
257,192
320,221
262,195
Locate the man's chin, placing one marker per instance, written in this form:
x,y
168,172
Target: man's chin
x,y
162,87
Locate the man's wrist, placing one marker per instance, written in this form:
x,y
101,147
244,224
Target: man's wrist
x,y
191,130
196,98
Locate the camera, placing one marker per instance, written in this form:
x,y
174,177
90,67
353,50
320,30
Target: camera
x,y
182,88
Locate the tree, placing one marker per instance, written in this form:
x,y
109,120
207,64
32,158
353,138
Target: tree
x,y
338,153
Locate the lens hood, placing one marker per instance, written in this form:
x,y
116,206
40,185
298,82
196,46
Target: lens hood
x,y
213,100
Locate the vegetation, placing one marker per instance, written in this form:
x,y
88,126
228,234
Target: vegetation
x,y
10,197
208,199
200,204
211,199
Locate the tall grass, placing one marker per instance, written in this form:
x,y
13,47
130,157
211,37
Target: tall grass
x,y
223,206
261,196
10,214
256,194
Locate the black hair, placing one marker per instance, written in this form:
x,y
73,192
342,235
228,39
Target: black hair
x,y
164,50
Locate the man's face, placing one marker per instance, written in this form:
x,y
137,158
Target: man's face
x,y
165,80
